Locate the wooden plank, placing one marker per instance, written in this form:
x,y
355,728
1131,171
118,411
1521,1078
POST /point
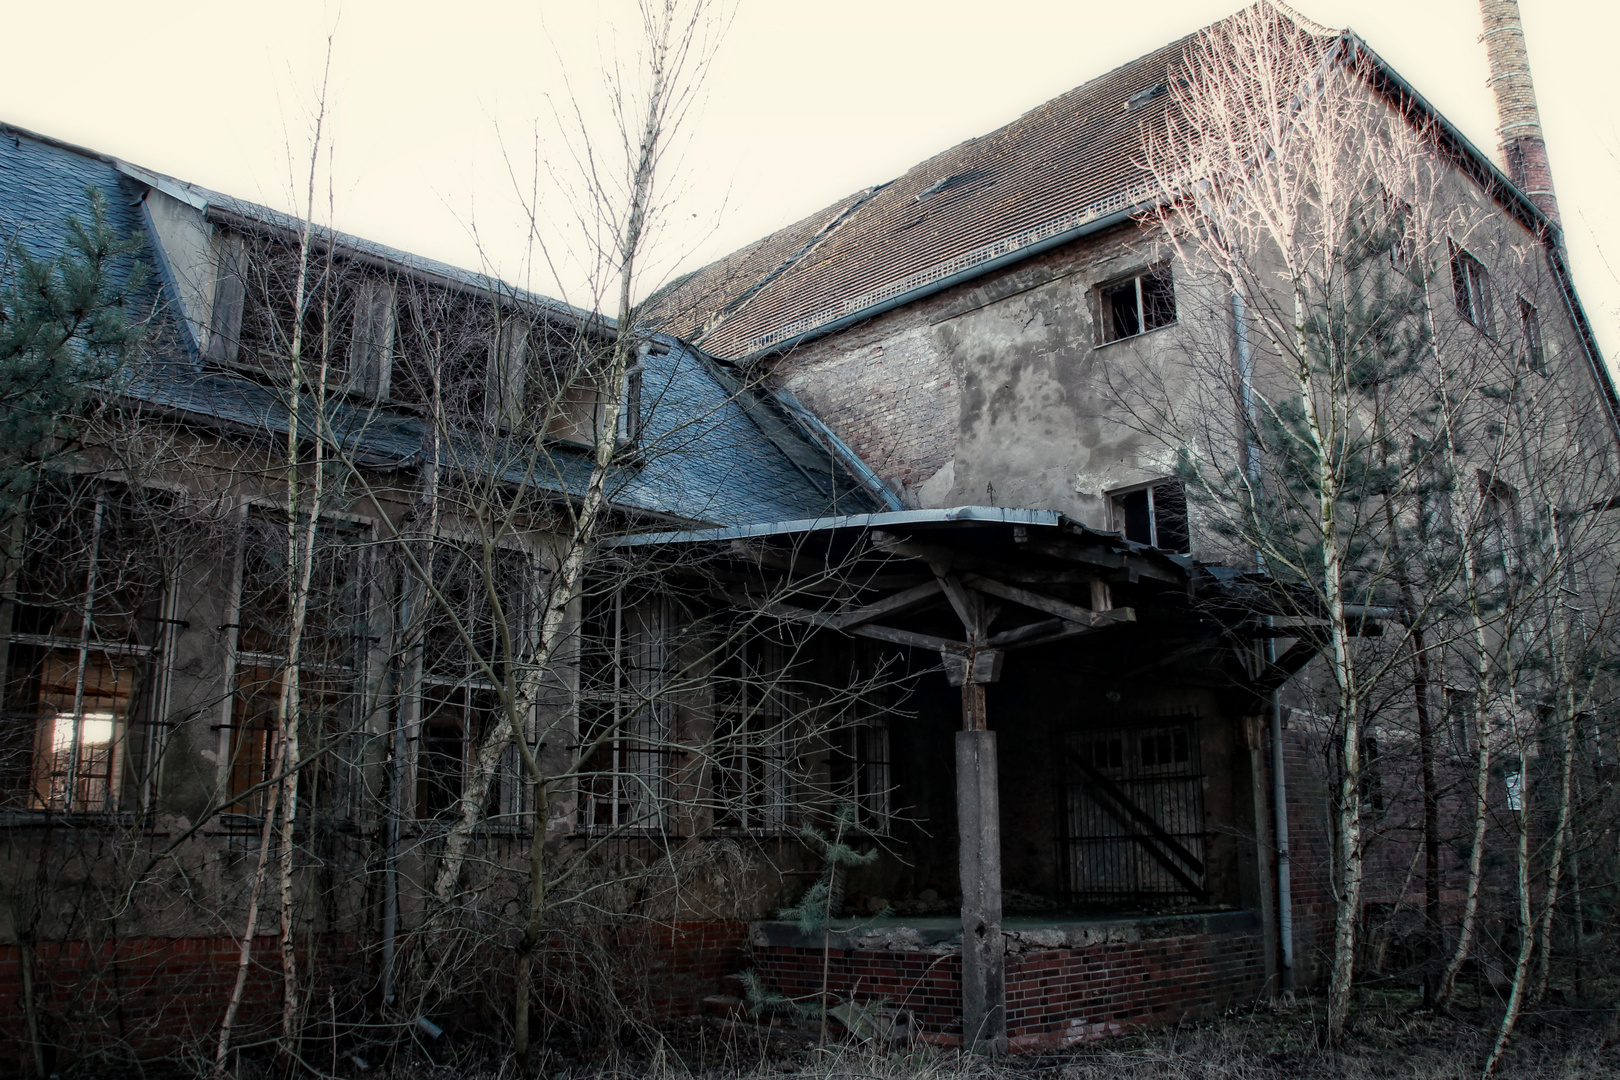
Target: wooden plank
x,y
1022,635
967,606
901,602
907,637
978,820
1284,667
1096,555
1063,609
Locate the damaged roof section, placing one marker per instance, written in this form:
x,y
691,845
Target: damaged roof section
x,y
1059,166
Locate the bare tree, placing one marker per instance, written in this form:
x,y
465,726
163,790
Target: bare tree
x,y
1366,442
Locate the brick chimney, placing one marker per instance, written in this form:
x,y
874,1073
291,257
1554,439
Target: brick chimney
x,y
1524,149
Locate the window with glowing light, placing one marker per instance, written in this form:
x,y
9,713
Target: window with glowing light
x,y
86,631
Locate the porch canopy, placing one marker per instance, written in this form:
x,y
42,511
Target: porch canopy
x,y
973,583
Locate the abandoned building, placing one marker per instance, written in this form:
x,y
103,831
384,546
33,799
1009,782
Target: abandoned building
x,y
884,434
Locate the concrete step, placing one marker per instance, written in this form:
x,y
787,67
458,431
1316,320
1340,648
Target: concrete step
x,y
727,1006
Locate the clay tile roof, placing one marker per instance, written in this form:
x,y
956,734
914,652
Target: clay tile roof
x,y
1069,161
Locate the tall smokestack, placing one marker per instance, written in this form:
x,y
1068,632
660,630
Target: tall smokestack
x,y
1519,121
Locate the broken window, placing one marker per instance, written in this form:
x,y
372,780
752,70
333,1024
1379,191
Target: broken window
x,y
1154,514
1497,545
83,661
755,710
331,654
1403,233
1472,286
626,727
1535,353
1137,304
465,659
1134,814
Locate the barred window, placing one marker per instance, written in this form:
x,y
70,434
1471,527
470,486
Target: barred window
x,y
468,644
83,662
1134,813
331,658
626,728
863,754
755,713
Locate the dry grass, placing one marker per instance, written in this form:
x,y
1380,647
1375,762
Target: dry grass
x,y
1391,1039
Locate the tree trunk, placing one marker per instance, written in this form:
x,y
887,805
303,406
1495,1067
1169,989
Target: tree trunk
x,y
1527,928
245,957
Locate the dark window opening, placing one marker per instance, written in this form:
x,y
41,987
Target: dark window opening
x,y
1535,353
1138,304
1155,515
754,714
1472,285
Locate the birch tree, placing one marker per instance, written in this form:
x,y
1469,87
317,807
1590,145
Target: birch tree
x,y
1363,441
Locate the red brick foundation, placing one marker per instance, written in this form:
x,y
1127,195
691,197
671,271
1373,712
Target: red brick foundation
x,y
1065,982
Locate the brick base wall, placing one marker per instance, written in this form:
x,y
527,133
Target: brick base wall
x,y
1062,996
156,997
1108,978
143,997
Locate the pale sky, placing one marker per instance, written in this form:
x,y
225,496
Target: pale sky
x,y
805,103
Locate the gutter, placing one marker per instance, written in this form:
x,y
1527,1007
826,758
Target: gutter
x,y
843,322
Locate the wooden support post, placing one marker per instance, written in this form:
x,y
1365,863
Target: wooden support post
x,y
974,717
978,821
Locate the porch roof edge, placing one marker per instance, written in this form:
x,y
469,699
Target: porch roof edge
x,y
989,515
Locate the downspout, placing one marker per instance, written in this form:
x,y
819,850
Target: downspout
x,y
396,807
1279,780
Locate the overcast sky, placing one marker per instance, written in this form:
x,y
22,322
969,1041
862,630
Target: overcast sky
x,y
805,103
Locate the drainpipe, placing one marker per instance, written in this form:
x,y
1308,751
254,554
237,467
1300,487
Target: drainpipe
x,y
1279,780
396,809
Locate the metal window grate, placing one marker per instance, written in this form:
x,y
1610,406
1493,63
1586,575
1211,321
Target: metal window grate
x,y
1133,814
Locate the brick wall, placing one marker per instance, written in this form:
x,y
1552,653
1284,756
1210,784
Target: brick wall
x,y
1135,973
687,961
1062,996
142,997
1310,848
153,997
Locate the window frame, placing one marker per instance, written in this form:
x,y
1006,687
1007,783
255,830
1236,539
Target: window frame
x,y
1471,289
1534,344
509,803
1104,292
147,665
763,802
635,758
237,776
1118,512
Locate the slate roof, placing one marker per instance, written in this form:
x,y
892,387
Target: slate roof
x,y
714,456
